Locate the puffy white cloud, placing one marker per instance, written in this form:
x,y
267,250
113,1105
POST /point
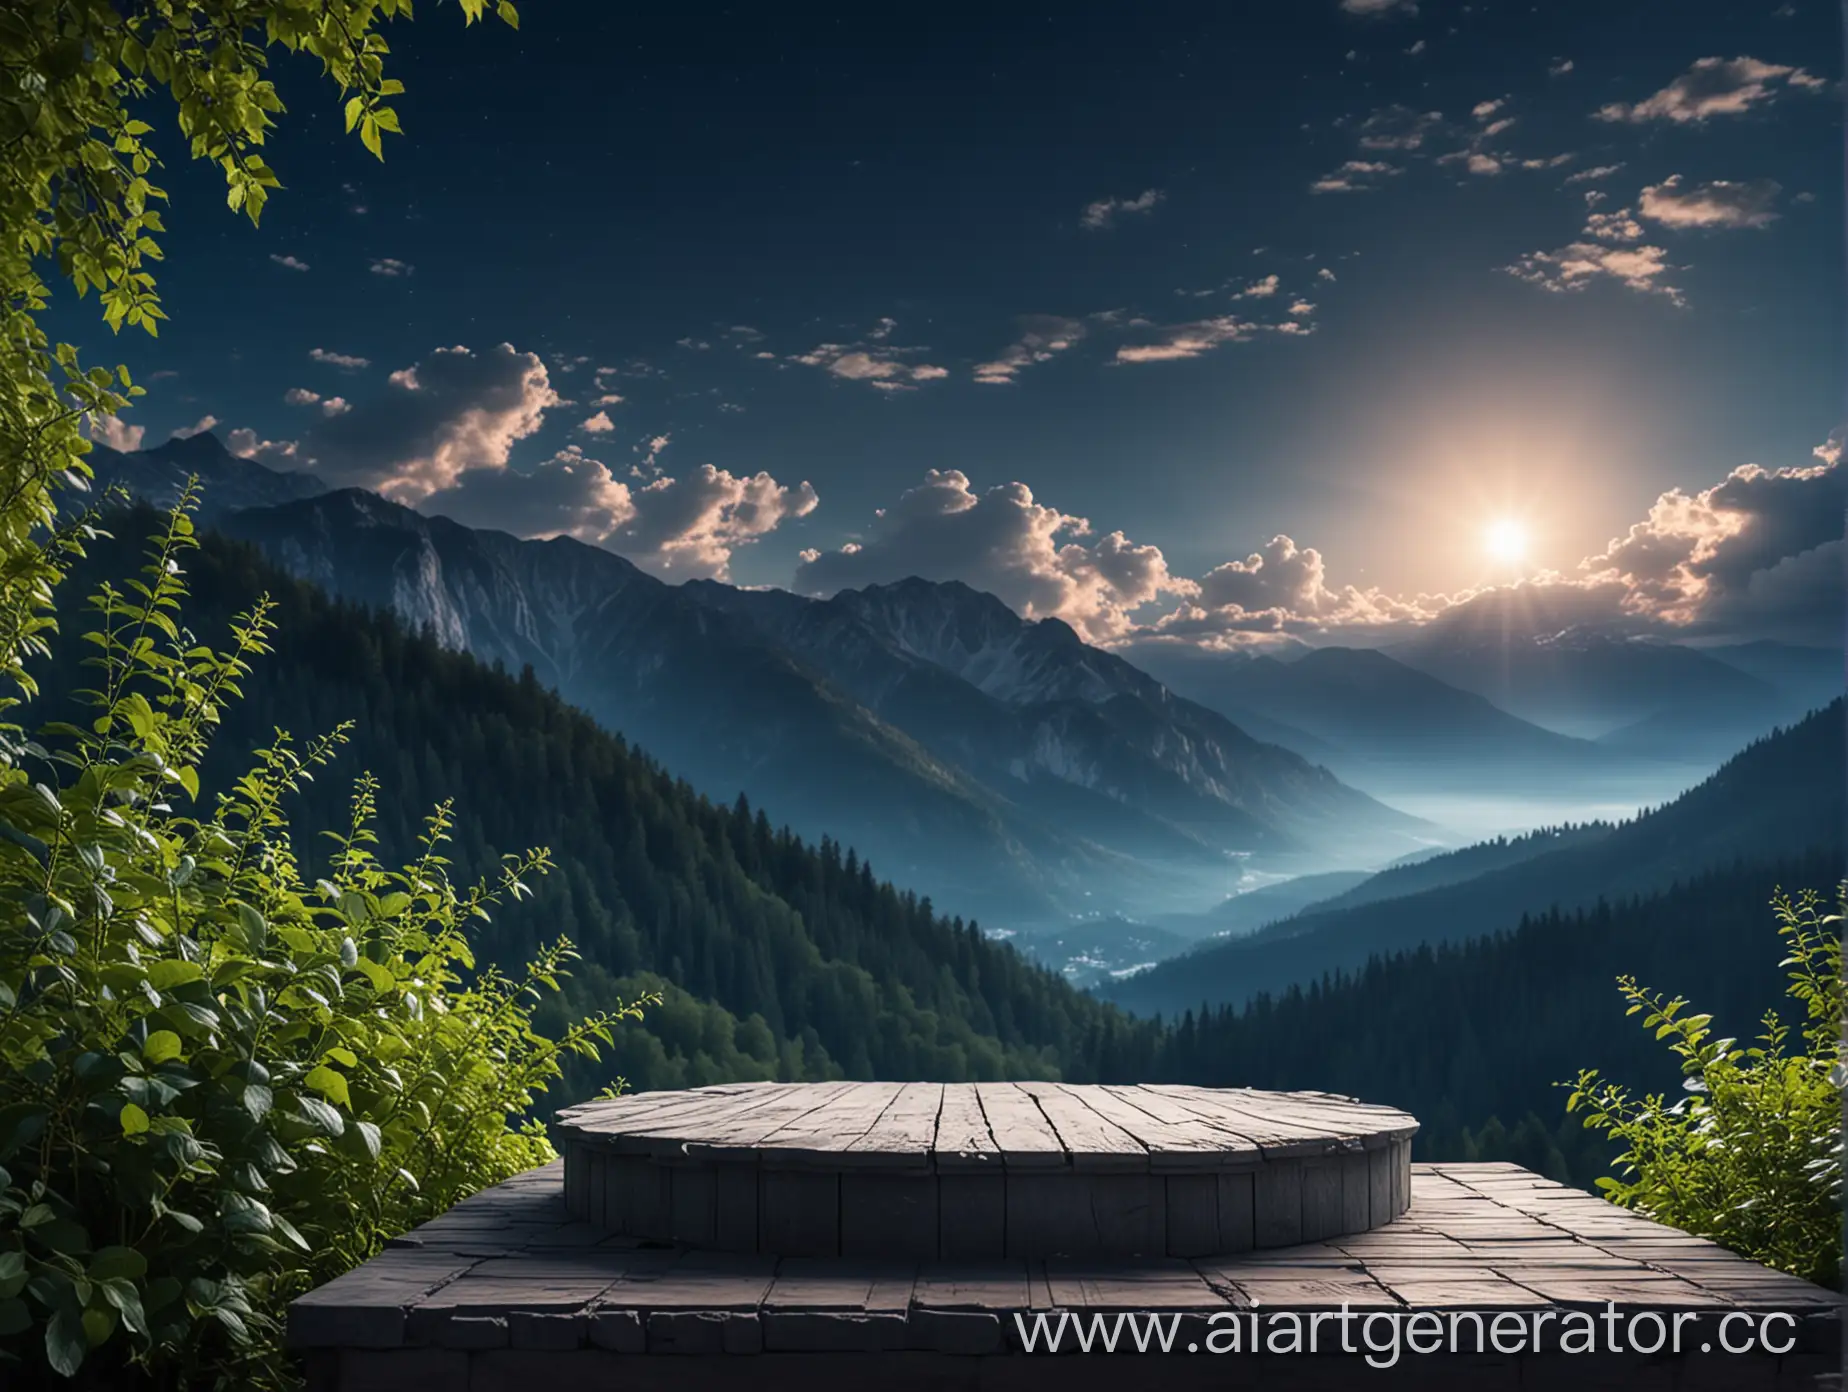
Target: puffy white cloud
x,y
330,405
116,433
289,262
345,361
1105,211
1618,226
1042,337
1586,176
1674,203
1714,87
680,529
1283,588
277,454
1040,561
198,427
877,362
1573,267
1696,558
452,412
392,268
1260,289
1355,176
1559,67
599,424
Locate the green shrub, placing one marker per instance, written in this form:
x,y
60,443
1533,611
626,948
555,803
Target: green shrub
x,y
224,1079
1750,1156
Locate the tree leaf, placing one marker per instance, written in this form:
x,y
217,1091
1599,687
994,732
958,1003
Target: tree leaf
x,y
330,1083
134,1120
66,1343
110,1263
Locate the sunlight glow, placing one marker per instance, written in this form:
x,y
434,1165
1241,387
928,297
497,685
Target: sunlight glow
x,y
1506,539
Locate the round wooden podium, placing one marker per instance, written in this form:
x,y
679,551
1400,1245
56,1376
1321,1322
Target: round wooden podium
x,y
929,1171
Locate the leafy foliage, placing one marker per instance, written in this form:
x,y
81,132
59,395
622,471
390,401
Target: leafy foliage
x,y
77,163
1751,1154
223,1080
220,1080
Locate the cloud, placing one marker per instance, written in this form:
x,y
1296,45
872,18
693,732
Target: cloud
x,y
1380,7
1325,274
1041,562
1398,127
679,529
247,444
341,360
1283,588
609,399
1042,337
599,424
454,411
1759,553
1189,340
1105,211
1573,267
877,363
198,427
1355,176
1585,176
1618,226
1717,204
116,433
330,405
1559,67
1714,87
392,267
1415,49
1259,289
290,262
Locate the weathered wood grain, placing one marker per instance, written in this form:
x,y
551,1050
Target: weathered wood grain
x,y
1023,1136
1092,1141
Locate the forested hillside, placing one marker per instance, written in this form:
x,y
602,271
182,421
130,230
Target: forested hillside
x,y
791,960
1472,1037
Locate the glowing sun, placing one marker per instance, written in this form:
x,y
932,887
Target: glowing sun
x,y
1506,540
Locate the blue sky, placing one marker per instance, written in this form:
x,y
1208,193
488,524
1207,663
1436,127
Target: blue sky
x,y
1205,276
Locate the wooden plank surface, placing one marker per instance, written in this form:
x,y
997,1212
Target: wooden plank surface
x,y
906,1131
1174,1138
824,1133
1093,1141
1023,1136
963,1138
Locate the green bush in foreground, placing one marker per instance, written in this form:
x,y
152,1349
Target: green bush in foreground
x,y
222,1082
1751,1155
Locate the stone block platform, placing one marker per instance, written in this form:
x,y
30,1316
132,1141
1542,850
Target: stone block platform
x,y
510,1290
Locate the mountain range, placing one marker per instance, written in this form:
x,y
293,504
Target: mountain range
x,y
999,764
